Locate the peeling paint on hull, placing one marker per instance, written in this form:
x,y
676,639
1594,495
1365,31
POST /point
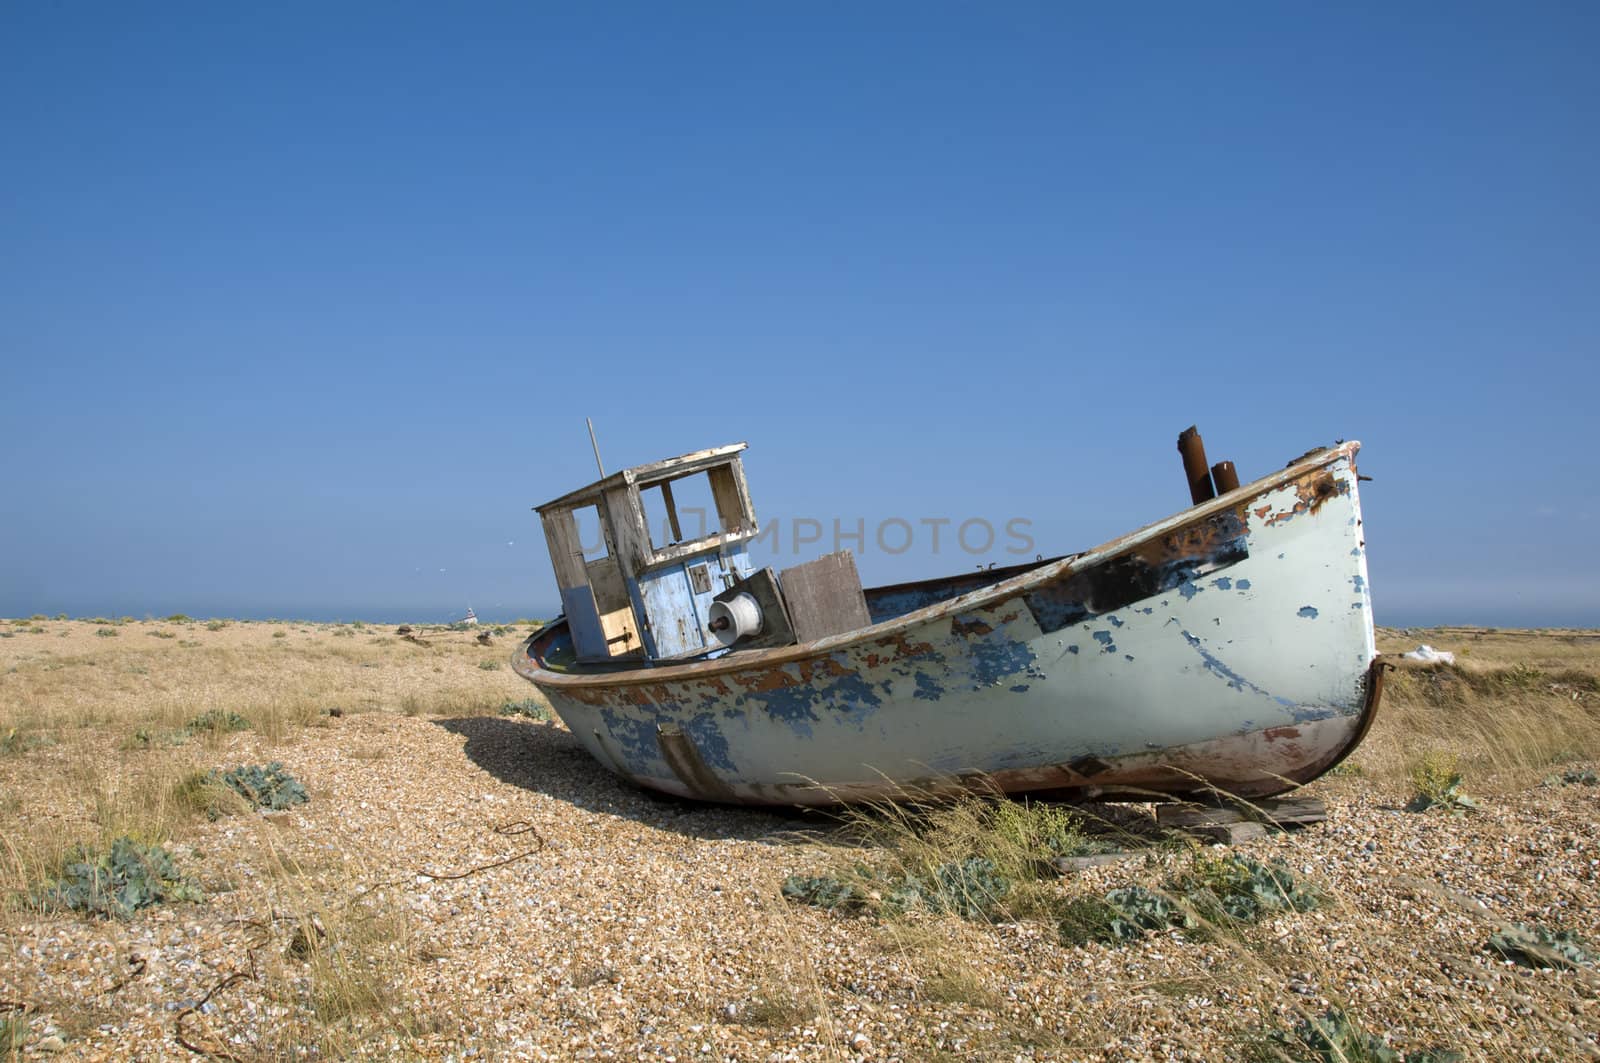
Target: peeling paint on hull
x,y
1229,645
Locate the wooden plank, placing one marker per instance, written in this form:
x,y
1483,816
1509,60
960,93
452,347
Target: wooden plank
x,y
730,504
566,556
1230,833
671,506
1066,865
824,597
1294,810
630,540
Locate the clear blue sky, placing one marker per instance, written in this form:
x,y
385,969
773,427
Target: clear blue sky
x,y
302,305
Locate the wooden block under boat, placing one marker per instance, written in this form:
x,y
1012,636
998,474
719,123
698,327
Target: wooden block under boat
x,y
1232,823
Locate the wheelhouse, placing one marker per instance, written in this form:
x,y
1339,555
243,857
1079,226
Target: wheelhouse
x,y
640,555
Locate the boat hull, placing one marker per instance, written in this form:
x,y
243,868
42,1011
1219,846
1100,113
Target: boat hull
x,y
1228,647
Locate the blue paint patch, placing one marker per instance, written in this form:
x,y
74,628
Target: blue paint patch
x,y
1127,656
1300,713
1308,611
635,739
1020,688
1188,590
997,657
1357,605
1244,585
1114,621
1147,610
1073,650
797,705
1357,582
1223,583
928,688
1215,666
1104,639
710,742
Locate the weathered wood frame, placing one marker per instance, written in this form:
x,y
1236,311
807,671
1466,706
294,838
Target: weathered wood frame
x,y
607,630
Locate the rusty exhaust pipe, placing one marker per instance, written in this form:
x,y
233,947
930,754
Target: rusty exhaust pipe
x,y
1225,476
1193,449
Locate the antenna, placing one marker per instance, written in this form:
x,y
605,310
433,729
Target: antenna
x,y
596,447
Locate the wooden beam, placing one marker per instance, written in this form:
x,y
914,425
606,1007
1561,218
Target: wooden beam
x,y
672,510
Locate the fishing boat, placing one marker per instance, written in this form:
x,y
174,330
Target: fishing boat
x,y
1227,647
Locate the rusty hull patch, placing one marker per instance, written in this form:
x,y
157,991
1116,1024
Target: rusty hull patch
x,y
1150,568
1312,489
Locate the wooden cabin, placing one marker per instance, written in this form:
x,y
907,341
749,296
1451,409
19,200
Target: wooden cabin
x,y
644,584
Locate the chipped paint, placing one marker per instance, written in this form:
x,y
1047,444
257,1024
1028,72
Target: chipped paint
x,y
981,677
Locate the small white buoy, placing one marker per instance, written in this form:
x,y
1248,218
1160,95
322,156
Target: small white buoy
x,y
735,618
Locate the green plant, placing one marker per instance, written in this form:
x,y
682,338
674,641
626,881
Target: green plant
x,y
489,666
146,737
1334,1037
179,618
106,632
1242,888
116,882
218,721
13,1034
1044,830
269,787
280,634
528,707
216,625
972,888
1212,893
827,891
18,741
1537,947
158,633
1573,777
1436,776
1122,915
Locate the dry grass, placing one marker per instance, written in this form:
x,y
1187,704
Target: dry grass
x,y
95,735
1513,705
96,742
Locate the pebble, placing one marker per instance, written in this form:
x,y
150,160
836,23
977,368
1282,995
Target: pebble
x,y
646,929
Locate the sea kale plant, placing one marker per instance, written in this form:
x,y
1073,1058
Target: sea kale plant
x,y
1437,779
1212,894
1334,1037
116,882
1538,947
268,787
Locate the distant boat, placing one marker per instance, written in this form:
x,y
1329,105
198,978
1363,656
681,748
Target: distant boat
x,y
1229,645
